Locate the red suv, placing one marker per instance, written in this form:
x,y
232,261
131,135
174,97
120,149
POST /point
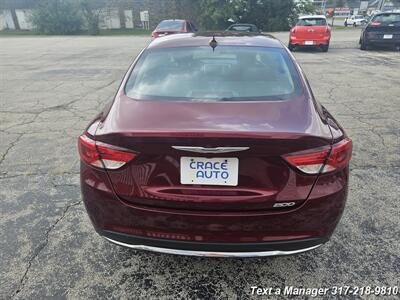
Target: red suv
x,y
215,146
173,26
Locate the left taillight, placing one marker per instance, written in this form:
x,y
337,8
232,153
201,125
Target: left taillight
x,y
322,160
102,155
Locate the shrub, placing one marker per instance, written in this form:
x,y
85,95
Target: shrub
x,y
91,14
57,17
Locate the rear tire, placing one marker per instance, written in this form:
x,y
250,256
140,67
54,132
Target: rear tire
x,y
363,45
291,47
325,48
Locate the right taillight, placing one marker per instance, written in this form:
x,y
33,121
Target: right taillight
x,y
102,155
375,23
322,160
340,156
154,34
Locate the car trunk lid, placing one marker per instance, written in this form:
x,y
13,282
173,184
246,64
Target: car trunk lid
x,y
257,134
310,32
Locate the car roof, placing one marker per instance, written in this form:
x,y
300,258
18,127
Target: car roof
x,y
225,38
312,16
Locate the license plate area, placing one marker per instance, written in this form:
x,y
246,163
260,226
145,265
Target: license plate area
x,y
309,43
209,171
388,36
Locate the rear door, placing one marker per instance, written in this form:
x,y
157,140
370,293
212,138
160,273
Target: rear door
x,y
312,28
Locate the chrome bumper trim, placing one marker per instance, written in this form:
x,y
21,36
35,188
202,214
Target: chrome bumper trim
x,y
210,253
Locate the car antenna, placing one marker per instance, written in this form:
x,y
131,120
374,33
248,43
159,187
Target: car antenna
x,y
213,43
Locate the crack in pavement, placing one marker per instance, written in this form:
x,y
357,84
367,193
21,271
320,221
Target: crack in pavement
x,y
5,176
12,144
40,248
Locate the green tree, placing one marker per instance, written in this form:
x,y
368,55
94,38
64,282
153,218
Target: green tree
x,y
269,15
214,14
91,13
302,7
57,17
305,7
340,3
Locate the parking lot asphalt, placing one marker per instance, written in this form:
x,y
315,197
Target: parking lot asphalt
x,y
51,87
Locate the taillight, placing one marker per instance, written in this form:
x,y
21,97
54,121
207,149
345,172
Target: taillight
x,y
340,156
102,155
293,31
376,24
154,34
322,160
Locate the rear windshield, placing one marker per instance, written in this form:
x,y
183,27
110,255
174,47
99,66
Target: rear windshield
x,y
226,74
241,28
388,19
170,25
312,22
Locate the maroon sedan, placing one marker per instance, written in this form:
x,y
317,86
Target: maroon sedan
x,y
167,27
215,147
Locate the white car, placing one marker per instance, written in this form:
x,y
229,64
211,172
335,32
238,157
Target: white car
x,y
356,20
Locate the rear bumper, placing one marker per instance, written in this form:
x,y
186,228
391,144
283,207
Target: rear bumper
x,y
213,249
249,233
302,41
382,42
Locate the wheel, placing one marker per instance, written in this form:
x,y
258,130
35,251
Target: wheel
x,y
291,47
354,24
345,24
325,48
363,45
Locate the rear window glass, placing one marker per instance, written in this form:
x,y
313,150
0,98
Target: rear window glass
x,y
241,28
170,25
225,74
312,22
388,19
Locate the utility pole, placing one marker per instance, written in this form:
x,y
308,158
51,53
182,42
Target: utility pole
x,y
381,5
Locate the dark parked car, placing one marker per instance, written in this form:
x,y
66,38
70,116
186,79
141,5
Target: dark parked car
x,y
215,146
167,27
243,28
382,30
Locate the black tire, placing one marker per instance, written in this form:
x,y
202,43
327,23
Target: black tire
x,y
325,48
363,45
291,47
